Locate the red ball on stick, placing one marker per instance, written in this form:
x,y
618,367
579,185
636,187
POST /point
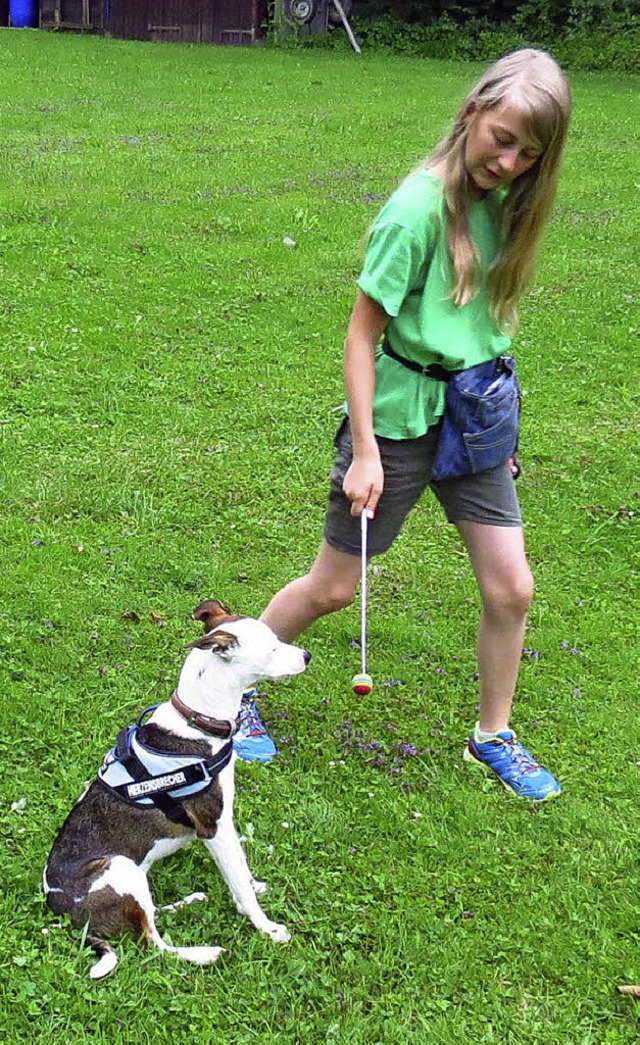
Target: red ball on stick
x,y
362,684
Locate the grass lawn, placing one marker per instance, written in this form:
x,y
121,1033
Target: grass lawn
x,y
170,369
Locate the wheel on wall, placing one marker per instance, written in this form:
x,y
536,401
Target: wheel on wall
x,y
334,16
299,12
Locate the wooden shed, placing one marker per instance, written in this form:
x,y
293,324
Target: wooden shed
x,y
86,15
194,21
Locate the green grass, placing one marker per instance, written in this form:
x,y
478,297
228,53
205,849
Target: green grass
x,y
170,370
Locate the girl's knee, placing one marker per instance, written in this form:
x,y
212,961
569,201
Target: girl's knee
x,y
332,581
332,596
511,598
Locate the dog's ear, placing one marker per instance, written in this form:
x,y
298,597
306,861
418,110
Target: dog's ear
x,y
211,613
221,642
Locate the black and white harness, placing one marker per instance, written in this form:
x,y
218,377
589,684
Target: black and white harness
x,y
144,776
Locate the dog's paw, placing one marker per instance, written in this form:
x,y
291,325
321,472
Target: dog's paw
x,y
278,933
191,898
195,898
198,955
259,888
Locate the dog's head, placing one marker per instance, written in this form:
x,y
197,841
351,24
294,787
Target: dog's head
x,y
247,646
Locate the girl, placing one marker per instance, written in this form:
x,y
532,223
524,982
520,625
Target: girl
x,y
447,260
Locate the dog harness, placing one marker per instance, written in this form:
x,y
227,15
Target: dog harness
x,y
144,776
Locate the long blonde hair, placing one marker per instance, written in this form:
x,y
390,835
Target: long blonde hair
x,y
533,81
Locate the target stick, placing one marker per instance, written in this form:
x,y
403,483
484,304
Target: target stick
x,y
363,684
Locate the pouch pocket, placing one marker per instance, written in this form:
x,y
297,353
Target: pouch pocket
x,y
492,446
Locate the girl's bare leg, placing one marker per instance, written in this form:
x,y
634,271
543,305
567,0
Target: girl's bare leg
x,y
330,585
499,560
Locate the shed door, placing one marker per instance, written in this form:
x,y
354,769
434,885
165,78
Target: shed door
x,y
235,21
175,20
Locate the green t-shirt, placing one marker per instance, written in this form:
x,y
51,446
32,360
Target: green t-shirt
x,y
408,271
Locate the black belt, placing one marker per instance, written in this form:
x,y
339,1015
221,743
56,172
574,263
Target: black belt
x,y
434,370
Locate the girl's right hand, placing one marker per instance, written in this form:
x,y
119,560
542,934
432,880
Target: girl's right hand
x,y
363,485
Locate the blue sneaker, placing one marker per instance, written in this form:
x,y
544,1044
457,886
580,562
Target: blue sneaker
x,y
252,743
516,769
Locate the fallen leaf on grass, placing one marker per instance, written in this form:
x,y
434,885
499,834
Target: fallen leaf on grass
x,y
633,990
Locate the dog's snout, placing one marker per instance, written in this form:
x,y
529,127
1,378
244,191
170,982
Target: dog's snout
x,y
306,656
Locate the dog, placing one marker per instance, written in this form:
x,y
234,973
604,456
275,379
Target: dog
x,y
167,781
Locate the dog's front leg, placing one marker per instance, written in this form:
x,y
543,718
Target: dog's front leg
x,y
230,858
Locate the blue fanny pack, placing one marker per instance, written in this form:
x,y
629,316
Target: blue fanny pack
x,y
479,428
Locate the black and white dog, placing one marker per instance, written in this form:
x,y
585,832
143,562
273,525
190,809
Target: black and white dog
x,y
167,781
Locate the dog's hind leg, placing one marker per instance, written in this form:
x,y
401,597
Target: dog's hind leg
x,y
226,849
120,899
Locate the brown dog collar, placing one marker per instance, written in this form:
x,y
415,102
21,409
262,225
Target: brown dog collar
x,y
216,727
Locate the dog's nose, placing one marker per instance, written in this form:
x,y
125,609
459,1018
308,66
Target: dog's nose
x,y
306,655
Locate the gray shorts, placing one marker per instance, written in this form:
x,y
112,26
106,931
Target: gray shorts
x,y
488,497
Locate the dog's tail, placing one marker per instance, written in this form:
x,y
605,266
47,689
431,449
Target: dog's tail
x,y
107,957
